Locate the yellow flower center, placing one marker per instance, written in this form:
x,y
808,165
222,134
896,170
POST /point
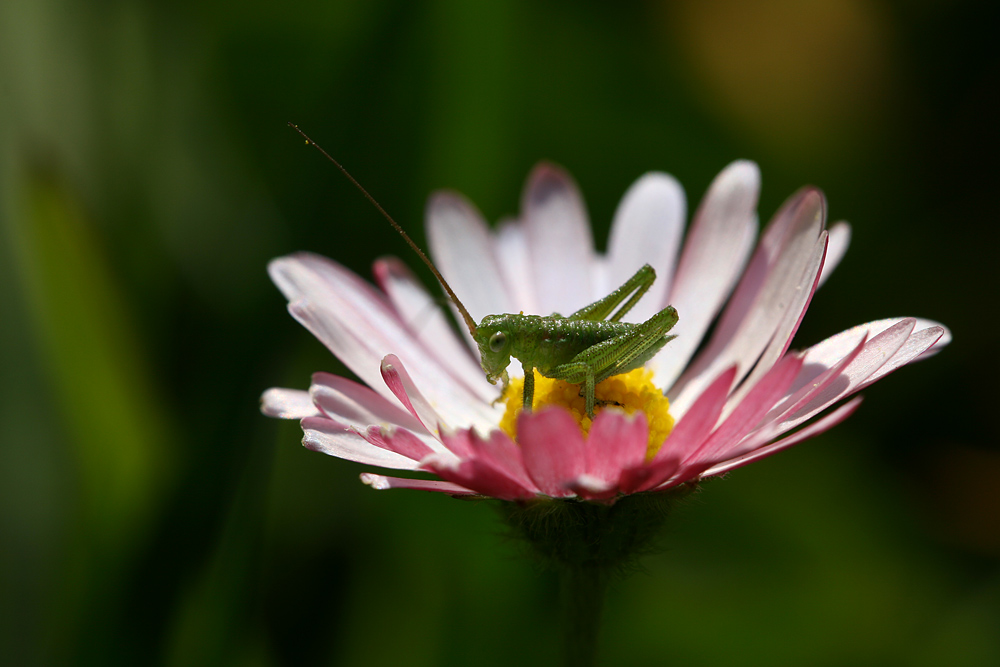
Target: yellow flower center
x,y
631,392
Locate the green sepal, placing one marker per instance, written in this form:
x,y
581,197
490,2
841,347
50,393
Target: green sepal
x,y
579,533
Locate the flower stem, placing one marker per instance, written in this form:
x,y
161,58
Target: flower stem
x,y
582,590
588,543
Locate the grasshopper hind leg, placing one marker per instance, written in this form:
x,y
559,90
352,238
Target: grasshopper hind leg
x,y
617,355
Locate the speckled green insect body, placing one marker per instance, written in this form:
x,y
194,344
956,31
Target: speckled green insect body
x,y
584,348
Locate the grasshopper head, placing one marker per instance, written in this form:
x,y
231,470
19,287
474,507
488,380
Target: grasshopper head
x,y
494,341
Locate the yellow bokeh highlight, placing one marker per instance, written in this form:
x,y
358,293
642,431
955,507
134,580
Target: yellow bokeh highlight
x,y
632,392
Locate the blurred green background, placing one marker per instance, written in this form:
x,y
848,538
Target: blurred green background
x,y
149,515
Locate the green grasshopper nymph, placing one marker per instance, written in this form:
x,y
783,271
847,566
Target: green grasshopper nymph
x,y
584,348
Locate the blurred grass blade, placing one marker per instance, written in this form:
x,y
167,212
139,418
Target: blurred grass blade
x,y
103,403
105,396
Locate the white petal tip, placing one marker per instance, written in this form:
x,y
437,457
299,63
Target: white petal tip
x,y
377,482
287,404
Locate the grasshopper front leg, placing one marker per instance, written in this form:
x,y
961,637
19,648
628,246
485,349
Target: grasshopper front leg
x,y
529,387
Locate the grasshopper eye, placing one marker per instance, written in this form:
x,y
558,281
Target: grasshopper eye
x,y
498,341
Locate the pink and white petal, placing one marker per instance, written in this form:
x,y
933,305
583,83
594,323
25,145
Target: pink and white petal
x,y
347,347
788,324
287,404
355,404
560,247
878,326
502,453
655,474
427,322
591,488
515,265
381,483
459,442
358,325
758,401
353,349
877,351
552,448
914,348
647,229
463,250
688,435
400,441
779,278
372,319
700,420
401,385
812,430
713,258
812,378
830,351
616,441
792,230
328,437
939,343
840,239
479,475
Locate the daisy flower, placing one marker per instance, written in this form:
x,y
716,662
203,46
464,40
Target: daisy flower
x,y
713,400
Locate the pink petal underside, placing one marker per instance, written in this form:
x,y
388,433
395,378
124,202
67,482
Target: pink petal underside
x,y
877,351
647,229
479,475
515,265
813,378
696,424
329,437
427,322
360,328
655,474
779,279
689,433
354,404
381,483
914,348
810,431
459,442
716,249
788,324
287,404
502,453
840,239
463,250
939,343
560,247
589,487
552,447
497,451
747,414
616,441
878,326
400,441
401,385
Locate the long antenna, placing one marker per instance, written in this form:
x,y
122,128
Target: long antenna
x,y
469,322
